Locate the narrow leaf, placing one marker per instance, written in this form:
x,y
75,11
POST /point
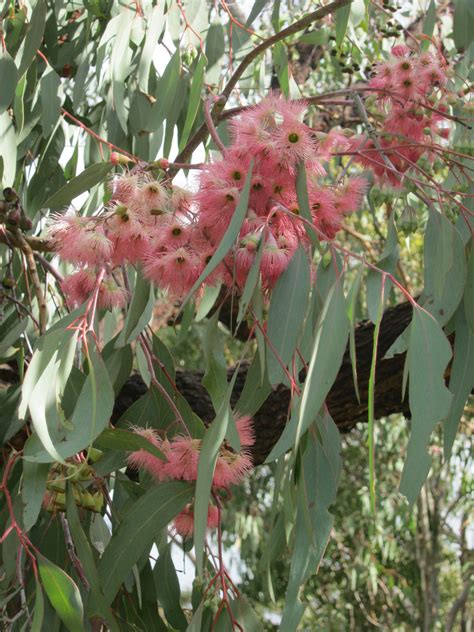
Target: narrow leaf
x,y
152,512
139,312
63,594
194,101
34,487
342,20
461,381
330,343
83,182
33,38
428,355
118,439
286,314
168,590
9,75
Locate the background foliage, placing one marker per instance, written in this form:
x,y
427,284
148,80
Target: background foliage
x,y
83,79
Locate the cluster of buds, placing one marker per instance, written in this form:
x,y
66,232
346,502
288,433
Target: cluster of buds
x,y
12,213
82,480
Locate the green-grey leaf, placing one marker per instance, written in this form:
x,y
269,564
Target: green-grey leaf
x,y
83,182
167,87
303,203
10,336
139,312
330,342
445,268
50,86
428,355
257,8
168,590
141,525
33,38
461,380
463,24
387,262
8,150
118,439
469,290
429,24
154,29
38,612
215,377
34,487
212,441
98,604
317,488
230,235
194,101
342,20
9,75
63,594
91,415
286,314
250,282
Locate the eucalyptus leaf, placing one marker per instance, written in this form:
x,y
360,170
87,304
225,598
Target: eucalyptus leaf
x,y
286,314
83,182
428,355
63,594
152,512
329,345
9,75
461,380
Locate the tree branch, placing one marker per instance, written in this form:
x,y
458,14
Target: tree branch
x,y
342,401
202,133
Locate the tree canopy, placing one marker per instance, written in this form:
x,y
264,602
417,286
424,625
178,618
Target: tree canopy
x,y
234,240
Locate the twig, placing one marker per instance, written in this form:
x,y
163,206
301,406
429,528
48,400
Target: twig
x,y
32,269
21,306
51,269
202,133
76,562
211,128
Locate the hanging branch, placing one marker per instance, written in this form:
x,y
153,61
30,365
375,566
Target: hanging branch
x,y
216,113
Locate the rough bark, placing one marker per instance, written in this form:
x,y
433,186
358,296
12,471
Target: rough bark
x,y
270,420
342,401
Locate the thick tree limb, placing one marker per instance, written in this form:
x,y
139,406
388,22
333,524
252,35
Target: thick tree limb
x,y
342,401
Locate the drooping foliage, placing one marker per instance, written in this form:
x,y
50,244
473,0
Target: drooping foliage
x,y
95,233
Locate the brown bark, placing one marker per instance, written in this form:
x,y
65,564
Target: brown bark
x,y
272,416
342,401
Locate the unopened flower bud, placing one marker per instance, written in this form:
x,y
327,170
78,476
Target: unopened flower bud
x,y
98,501
95,455
59,500
8,282
57,485
14,218
87,500
10,194
119,159
26,223
162,163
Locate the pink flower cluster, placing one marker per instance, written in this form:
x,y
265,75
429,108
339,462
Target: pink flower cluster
x,y
174,233
410,90
182,458
273,135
